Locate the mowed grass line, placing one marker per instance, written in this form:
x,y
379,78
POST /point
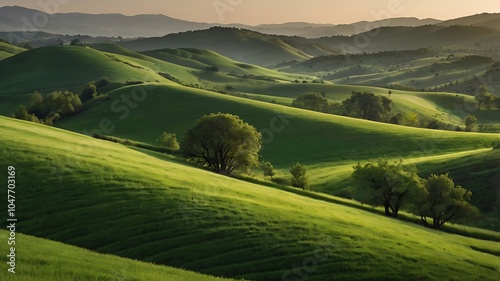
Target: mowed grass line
x,y
43,260
112,199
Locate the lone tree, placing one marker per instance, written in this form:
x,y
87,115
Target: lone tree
x,y
470,122
484,97
223,142
268,170
443,201
88,93
367,106
299,176
168,140
390,183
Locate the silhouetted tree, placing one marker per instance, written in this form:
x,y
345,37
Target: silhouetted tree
x,y
470,122
367,106
397,119
312,101
88,93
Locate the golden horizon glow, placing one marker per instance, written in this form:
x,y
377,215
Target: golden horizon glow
x,y
254,12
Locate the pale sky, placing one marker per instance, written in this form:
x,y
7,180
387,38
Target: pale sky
x,y
255,12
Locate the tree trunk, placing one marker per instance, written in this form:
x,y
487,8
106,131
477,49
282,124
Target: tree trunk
x,y
387,210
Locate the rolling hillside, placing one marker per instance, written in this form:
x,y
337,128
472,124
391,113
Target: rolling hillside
x,y
491,20
44,260
20,75
334,144
8,50
430,69
409,38
309,30
112,199
341,139
62,67
238,44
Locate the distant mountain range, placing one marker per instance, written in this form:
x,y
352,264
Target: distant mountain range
x,y
15,18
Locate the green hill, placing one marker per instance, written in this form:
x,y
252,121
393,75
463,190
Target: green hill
x,y
201,59
238,44
480,173
63,67
7,50
44,260
427,69
300,135
112,199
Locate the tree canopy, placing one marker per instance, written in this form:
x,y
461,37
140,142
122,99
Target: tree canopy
x,y
443,201
223,142
470,122
268,170
299,176
312,101
168,140
51,108
390,183
367,106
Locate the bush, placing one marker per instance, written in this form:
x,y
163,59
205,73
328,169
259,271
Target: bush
x,y
299,176
168,140
50,109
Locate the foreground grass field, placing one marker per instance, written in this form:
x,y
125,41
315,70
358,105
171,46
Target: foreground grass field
x,y
112,199
44,260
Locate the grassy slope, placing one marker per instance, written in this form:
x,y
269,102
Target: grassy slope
x,y
200,59
62,67
415,69
189,66
332,144
481,173
328,138
112,199
44,260
7,50
246,46
442,106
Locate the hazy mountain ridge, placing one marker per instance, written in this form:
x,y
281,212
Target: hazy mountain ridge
x,y
110,25
239,44
309,30
491,20
13,18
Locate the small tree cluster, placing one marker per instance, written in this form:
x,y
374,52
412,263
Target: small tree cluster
x,y
49,109
443,201
367,106
360,105
393,185
390,183
312,101
485,98
90,91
